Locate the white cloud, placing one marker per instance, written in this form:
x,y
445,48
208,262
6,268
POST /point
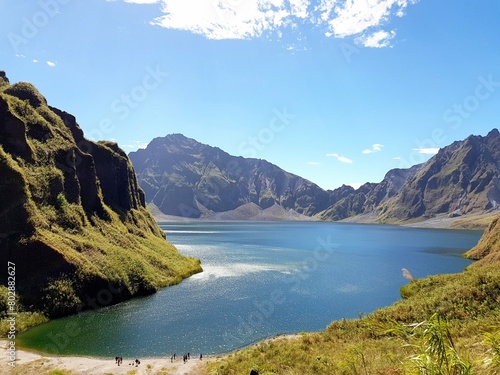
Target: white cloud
x,y
378,39
246,19
375,148
340,158
299,8
134,145
224,19
354,17
35,60
51,64
427,151
313,163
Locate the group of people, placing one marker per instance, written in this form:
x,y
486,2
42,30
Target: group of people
x,y
185,357
136,362
119,361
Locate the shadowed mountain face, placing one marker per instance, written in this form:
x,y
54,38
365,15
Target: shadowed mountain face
x,y
462,178
183,177
369,196
74,220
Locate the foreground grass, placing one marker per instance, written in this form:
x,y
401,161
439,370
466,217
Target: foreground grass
x,y
455,315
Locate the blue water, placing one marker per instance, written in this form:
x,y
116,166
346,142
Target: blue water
x,y
259,280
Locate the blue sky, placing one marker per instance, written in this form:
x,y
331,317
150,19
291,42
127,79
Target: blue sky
x,y
336,91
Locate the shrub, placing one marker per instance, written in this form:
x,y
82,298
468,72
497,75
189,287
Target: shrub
x,y
60,298
26,91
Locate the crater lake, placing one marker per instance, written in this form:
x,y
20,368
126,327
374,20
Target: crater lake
x,y
260,279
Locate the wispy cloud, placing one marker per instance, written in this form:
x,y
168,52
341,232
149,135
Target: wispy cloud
x,y
51,64
134,145
340,158
247,19
363,18
313,163
223,19
378,39
427,151
375,148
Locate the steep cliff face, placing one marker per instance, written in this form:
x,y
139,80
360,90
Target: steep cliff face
x,y
183,177
462,178
488,248
74,221
368,198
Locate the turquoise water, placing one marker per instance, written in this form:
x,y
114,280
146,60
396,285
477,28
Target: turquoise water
x,y
259,280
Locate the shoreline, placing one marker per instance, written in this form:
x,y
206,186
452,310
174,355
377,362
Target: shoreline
x,y
469,222
30,361
33,362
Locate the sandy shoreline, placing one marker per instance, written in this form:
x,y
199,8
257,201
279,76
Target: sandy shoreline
x,y
29,362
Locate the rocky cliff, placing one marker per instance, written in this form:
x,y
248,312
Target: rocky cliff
x,y
183,177
73,219
368,198
488,248
463,178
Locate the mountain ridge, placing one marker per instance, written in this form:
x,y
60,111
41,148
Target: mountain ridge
x,y
193,183
176,170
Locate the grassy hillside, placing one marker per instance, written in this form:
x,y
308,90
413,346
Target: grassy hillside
x,y
74,221
487,250
444,325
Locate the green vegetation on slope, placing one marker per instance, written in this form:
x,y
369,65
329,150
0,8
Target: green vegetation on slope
x,y
487,250
74,221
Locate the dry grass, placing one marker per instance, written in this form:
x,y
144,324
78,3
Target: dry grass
x,y
386,341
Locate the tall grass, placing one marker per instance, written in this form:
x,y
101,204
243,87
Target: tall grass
x,y
444,325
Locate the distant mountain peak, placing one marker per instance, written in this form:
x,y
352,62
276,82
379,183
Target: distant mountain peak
x,y
184,177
